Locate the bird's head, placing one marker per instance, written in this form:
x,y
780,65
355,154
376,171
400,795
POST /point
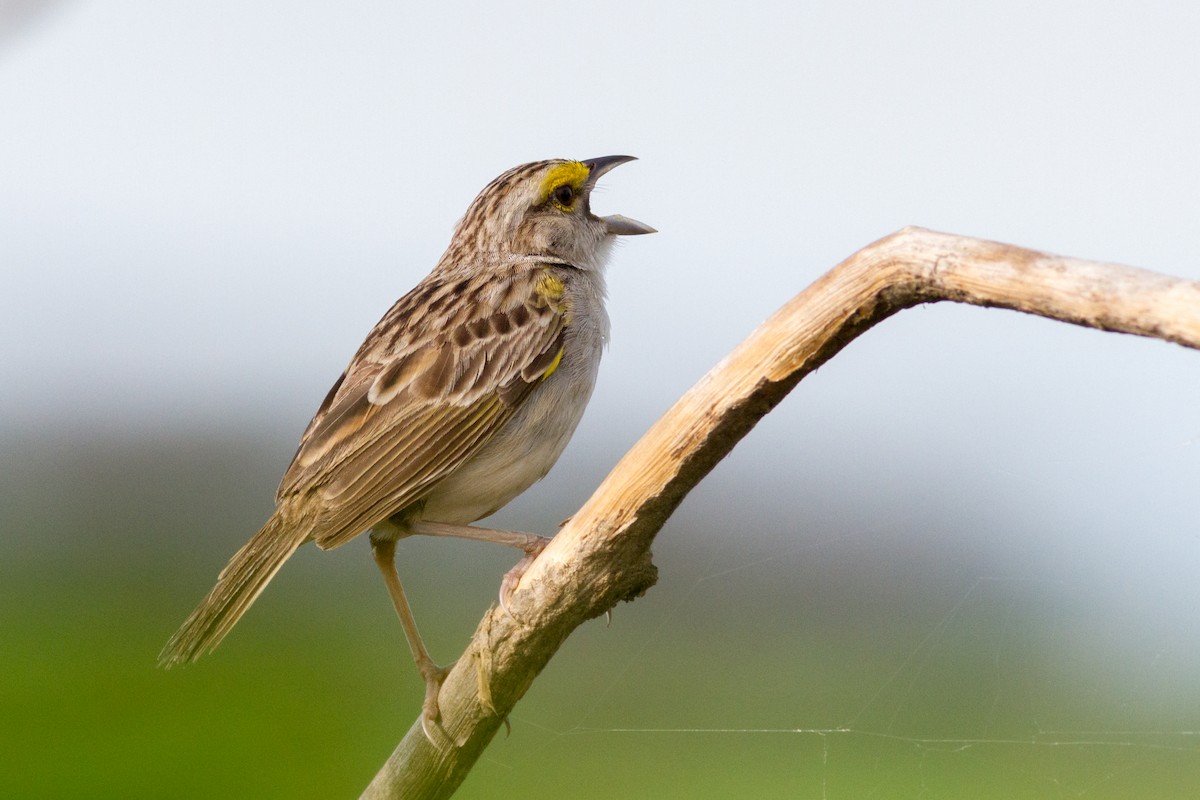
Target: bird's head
x,y
544,209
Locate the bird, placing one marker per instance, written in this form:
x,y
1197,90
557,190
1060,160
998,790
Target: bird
x,y
459,399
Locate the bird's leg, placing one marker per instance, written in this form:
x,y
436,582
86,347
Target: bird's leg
x,y
529,543
385,558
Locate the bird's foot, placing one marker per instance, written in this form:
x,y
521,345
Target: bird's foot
x,y
431,714
512,578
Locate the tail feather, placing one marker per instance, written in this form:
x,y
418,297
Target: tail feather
x,y
238,586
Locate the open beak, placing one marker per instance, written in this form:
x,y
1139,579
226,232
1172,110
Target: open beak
x,y
617,225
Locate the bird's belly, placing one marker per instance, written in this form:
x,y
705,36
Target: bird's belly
x,y
520,454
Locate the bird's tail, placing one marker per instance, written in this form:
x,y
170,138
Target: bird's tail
x,y
238,585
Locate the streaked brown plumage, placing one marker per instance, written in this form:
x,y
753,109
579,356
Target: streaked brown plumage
x,y
463,395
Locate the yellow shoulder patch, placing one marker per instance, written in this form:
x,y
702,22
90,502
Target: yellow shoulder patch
x,y
550,289
550,292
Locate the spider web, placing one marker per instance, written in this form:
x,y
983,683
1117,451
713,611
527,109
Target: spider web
x,y
898,668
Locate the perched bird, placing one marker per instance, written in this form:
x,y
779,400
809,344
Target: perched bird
x,y
459,399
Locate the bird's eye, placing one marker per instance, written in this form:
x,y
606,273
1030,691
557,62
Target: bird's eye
x,y
564,194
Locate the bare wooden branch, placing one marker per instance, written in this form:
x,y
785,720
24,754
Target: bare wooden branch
x,y
603,555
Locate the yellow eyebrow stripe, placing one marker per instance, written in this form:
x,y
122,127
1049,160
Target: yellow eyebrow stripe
x,y
573,173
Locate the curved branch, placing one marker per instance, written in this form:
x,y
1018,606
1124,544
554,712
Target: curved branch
x,y
602,555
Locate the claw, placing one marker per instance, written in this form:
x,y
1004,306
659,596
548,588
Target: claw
x,y
430,712
425,723
510,582
512,578
504,592
442,739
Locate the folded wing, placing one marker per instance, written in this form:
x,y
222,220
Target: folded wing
x,y
407,415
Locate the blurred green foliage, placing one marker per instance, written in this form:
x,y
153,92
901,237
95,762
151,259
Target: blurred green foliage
x,y
748,672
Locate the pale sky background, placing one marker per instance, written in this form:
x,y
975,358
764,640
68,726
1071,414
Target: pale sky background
x,y
205,206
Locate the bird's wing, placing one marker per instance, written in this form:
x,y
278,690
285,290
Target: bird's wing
x,y
441,373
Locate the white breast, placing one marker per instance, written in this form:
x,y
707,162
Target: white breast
x,y
522,452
